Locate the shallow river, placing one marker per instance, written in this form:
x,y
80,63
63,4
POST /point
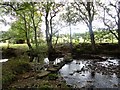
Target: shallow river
x,y
87,73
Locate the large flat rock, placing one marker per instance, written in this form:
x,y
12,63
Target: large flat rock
x,y
42,74
52,69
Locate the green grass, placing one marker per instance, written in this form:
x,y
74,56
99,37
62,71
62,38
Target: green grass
x,y
42,47
17,46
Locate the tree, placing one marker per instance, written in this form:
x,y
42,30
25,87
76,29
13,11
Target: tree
x,y
69,18
86,12
27,13
113,21
50,10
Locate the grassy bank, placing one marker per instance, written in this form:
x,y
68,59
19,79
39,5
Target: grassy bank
x,y
111,49
42,47
20,64
12,68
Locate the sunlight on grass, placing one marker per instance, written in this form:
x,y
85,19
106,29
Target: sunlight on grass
x,y
42,47
19,46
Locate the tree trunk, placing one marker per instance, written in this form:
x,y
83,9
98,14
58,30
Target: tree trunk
x,y
28,42
47,27
91,16
36,42
56,41
35,31
92,36
118,32
70,37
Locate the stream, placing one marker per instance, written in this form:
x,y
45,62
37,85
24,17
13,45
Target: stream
x,y
89,73
85,73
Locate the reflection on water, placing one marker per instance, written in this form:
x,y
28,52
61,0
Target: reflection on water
x,y
79,74
3,60
57,60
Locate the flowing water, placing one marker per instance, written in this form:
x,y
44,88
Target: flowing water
x,y
92,73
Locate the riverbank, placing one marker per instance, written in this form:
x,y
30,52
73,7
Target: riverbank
x,y
28,78
103,49
16,74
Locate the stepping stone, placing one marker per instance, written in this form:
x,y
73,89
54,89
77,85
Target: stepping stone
x,y
52,69
43,74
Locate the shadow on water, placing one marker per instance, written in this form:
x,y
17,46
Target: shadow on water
x,y
86,74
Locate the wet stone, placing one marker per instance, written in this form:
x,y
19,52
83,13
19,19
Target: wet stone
x,y
115,85
78,71
83,75
89,81
71,73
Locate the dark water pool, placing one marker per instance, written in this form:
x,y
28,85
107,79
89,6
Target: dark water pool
x,y
92,73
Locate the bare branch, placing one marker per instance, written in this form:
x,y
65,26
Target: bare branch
x,y
80,11
108,26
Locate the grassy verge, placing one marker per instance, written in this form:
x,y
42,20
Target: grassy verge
x,y
42,47
12,68
16,46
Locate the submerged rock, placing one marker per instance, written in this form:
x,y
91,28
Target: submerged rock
x,y
90,81
71,73
83,75
78,71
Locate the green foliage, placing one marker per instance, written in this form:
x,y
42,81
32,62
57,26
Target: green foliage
x,y
70,17
52,76
102,36
45,87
